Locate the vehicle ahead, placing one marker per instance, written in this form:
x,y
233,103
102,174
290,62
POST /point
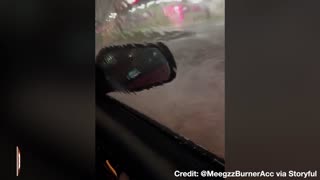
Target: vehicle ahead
x,y
127,141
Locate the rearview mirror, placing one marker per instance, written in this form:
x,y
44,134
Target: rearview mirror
x,y
134,67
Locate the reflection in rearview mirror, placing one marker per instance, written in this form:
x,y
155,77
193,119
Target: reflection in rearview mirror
x,y
135,67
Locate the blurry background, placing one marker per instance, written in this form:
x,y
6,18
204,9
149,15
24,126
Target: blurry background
x,y
193,104
47,87
123,21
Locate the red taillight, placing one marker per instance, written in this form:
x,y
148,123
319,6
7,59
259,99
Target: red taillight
x,y
132,1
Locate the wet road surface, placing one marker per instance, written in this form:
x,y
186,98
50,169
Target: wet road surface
x,y
193,104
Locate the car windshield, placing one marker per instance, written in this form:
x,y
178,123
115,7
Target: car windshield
x,y
192,105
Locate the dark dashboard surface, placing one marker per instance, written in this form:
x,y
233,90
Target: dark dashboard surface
x,y
143,144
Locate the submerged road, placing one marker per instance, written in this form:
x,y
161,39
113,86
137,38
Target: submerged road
x,y
193,104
